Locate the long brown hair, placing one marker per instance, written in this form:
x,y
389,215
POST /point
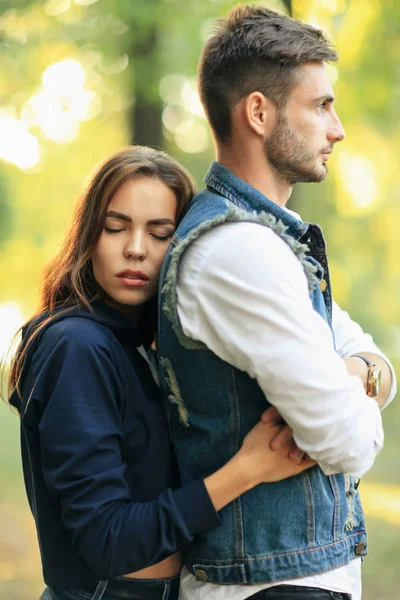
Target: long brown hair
x,y
68,281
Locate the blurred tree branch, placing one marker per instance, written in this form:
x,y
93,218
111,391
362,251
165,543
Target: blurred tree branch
x,y
289,7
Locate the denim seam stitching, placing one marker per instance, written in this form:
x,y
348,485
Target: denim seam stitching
x,y
336,510
237,505
226,193
278,556
310,508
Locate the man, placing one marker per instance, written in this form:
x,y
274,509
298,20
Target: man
x,y
247,319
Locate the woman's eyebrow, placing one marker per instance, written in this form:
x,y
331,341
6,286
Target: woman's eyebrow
x,y
161,222
118,215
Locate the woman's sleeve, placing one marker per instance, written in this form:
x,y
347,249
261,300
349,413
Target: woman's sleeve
x,y
81,432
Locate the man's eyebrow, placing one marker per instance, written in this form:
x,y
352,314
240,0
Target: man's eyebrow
x,y
118,215
161,222
325,98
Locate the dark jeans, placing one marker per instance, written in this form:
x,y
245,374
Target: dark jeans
x,y
297,592
119,588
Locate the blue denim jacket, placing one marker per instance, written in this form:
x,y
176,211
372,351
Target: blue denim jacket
x,y
300,526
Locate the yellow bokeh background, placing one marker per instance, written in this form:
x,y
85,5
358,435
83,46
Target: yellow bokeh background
x,y
76,78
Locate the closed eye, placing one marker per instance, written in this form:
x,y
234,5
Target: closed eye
x,y
109,230
162,238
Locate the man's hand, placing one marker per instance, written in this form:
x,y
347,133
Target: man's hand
x,y
283,441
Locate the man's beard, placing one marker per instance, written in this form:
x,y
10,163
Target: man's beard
x,y
290,156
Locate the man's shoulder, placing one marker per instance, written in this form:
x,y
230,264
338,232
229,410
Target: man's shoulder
x,y
209,201
206,208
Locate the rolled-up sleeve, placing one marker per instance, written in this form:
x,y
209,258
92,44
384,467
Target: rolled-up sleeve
x,y
350,339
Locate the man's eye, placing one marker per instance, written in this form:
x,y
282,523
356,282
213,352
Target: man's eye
x,y
109,230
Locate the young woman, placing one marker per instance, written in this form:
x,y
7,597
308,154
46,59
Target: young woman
x,y
99,471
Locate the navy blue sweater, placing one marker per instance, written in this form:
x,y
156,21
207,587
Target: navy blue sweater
x,y
99,469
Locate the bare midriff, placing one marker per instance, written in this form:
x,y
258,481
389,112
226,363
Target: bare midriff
x,y
166,568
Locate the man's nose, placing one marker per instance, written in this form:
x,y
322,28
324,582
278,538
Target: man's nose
x,y
336,133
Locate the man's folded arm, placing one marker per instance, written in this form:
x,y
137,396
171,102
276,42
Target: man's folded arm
x,y
243,293
351,340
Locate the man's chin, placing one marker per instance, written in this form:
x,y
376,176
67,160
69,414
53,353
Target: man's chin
x,y
321,176
310,176
317,176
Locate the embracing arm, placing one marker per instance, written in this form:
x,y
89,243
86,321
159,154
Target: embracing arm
x,y
77,392
81,435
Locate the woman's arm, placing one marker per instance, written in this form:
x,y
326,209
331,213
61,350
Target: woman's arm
x,y
80,428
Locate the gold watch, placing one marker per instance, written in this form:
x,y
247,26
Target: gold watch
x,y
374,377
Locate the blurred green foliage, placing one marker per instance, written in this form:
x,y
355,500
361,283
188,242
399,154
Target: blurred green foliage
x,y
132,67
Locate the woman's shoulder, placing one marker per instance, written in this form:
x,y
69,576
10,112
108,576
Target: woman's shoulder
x,y
76,332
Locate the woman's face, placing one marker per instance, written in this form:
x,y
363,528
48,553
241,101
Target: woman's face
x,y
127,258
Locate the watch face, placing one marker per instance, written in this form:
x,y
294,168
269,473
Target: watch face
x,y
378,374
374,382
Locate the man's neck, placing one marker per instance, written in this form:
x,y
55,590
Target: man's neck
x,y
257,172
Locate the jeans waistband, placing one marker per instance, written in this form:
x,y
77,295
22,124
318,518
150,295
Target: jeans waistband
x,y
141,589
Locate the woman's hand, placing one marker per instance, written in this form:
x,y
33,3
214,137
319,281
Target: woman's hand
x,y
267,464
253,464
284,440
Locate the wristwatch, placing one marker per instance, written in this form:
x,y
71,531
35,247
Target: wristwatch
x,y
374,377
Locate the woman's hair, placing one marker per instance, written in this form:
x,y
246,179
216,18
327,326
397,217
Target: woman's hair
x,y
68,281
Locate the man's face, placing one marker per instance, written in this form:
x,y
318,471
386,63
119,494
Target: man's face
x,y
307,128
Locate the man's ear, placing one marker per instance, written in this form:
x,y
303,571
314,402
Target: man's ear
x,y
259,113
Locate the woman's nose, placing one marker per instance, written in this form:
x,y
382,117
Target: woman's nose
x,y
136,247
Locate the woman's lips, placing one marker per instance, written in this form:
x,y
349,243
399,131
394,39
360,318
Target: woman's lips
x,y
133,278
131,282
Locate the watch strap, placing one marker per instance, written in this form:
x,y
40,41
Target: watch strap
x,y
367,362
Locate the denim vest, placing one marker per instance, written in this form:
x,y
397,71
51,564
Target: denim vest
x,y
300,526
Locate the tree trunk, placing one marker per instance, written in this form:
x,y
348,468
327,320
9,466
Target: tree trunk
x,y
289,7
145,117
146,122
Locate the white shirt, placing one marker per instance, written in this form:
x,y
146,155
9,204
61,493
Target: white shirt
x,y
243,293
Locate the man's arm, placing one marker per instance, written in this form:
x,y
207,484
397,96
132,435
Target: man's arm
x,y
350,339
243,293
356,366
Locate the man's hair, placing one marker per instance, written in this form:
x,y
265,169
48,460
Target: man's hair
x,y
254,49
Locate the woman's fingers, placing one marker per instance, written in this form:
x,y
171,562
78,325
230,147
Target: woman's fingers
x,y
283,439
271,415
297,456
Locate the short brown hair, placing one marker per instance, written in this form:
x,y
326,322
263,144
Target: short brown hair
x,y
254,49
